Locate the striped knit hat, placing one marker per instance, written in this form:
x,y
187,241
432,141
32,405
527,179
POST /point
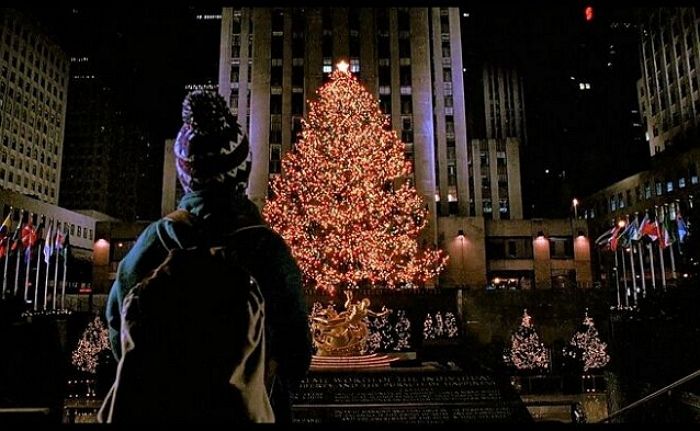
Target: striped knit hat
x,y
210,147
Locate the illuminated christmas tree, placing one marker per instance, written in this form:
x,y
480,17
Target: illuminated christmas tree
x,y
526,351
93,342
586,347
343,202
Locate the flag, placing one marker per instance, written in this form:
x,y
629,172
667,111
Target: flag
x,y
6,225
665,235
28,234
16,236
3,247
634,233
28,239
604,238
670,227
648,228
621,239
682,228
65,251
60,240
48,244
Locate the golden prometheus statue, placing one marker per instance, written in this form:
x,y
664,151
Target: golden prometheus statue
x,y
344,333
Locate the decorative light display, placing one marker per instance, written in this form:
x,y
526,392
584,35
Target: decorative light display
x,y
451,327
527,352
586,347
343,202
428,328
95,339
439,325
403,331
374,340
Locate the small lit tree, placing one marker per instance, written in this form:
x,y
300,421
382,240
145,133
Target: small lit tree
x,y
343,203
586,347
94,341
527,351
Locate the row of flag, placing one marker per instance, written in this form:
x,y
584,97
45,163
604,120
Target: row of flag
x,y
664,229
27,236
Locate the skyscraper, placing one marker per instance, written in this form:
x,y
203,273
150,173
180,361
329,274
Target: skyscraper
x,y
273,59
33,93
668,90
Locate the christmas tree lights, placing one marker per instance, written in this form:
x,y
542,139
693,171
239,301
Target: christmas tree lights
x,y
585,346
343,203
95,339
526,351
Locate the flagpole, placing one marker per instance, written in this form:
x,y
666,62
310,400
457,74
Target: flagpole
x,y
28,264
38,267
617,279
55,274
7,256
18,246
651,264
670,250
641,266
4,274
48,269
634,275
661,251
624,278
63,286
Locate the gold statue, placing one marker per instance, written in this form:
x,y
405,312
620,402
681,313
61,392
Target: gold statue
x,y
344,333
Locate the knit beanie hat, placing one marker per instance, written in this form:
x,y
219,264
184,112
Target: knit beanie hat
x,y
210,147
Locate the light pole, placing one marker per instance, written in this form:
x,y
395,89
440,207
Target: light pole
x,y
460,235
575,202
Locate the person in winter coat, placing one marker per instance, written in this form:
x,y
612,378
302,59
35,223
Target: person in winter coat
x,y
213,164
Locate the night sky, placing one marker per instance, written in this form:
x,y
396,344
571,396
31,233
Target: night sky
x,y
586,141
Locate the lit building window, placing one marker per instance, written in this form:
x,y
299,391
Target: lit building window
x,y
327,65
355,65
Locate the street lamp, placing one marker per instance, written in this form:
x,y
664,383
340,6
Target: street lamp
x,y
575,202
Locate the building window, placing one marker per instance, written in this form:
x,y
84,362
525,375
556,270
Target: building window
x,y
620,201
327,65
80,231
659,188
355,65
275,159
669,186
561,248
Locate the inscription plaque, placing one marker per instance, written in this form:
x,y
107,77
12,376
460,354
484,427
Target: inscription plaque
x,y
424,396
